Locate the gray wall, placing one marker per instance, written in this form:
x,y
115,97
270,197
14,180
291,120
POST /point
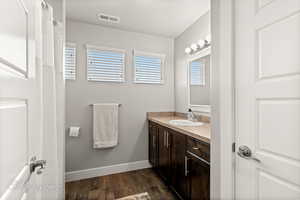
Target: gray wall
x,y
136,99
199,30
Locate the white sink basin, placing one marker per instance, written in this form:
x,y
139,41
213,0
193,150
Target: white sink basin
x,y
185,123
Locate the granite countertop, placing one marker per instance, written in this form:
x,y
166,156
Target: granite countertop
x,y
198,132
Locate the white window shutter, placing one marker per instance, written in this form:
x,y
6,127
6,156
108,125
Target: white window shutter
x,y
148,67
105,64
70,62
197,73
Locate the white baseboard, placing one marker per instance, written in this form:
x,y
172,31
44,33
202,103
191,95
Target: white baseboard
x,y
107,170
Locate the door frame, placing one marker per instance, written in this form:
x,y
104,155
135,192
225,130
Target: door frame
x,y
222,100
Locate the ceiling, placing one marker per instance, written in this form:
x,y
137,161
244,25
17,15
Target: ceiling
x,y
159,17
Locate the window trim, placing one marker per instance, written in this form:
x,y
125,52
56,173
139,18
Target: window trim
x,y
71,45
157,55
103,48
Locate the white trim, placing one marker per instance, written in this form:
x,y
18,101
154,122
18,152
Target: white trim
x,y
200,54
107,170
70,44
62,137
222,97
203,109
103,48
143,53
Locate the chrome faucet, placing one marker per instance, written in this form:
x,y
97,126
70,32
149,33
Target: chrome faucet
x,y
191,115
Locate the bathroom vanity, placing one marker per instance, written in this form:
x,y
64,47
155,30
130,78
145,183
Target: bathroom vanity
x,y
180,155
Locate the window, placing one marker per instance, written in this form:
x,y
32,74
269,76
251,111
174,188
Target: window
x,y
105,64
148,68
70,61
197,73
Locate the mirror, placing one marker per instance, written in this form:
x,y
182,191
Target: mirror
x,y
199,82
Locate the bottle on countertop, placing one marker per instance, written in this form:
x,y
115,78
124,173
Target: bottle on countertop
x,y
190,115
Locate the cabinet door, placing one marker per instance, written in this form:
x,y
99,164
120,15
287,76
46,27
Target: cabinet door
x,y
153,145
178,178
198,178
164,153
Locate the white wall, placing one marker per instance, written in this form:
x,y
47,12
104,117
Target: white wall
x,y
199,30
136,99
58,10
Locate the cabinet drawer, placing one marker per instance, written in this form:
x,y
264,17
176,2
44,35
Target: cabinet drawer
x,y
199,148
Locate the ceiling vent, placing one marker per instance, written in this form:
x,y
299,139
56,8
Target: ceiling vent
x,y
108,18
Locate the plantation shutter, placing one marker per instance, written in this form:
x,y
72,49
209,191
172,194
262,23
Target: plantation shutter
x,y
70,62
105,64
148,68
197,70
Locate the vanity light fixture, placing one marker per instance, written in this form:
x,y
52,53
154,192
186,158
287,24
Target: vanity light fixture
x,y
201,43
195,47
188,50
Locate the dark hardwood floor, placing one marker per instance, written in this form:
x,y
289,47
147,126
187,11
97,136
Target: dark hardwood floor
x,y
119,185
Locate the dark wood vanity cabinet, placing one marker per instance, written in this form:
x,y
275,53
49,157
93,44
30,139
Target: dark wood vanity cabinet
x,y
164,150
153,144
178,177
198,178
198,169
181,161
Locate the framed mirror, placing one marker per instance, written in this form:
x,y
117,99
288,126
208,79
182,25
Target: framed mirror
x,y
199,81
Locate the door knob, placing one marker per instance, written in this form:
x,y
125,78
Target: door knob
x,y
245,152
38,165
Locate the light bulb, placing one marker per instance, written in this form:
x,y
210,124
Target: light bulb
x,y
194,47
188,50
201,43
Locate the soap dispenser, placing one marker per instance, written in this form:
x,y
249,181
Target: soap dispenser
x,y
190,115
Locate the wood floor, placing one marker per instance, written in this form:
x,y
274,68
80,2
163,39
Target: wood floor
x,y
119,185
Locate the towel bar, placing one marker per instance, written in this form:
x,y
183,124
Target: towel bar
x,y
95,103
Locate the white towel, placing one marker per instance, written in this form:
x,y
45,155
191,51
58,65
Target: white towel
x,y
105,124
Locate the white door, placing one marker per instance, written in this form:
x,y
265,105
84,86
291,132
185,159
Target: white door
x,y
20,101
268,99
